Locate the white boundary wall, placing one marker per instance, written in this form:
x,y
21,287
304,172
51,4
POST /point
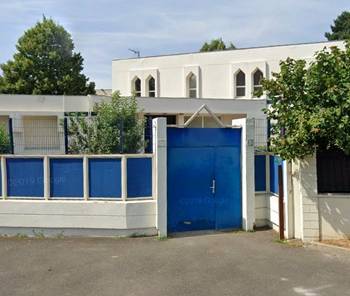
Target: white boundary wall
x,y
317,216
135,216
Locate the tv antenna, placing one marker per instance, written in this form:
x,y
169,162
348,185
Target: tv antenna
x,y
135,51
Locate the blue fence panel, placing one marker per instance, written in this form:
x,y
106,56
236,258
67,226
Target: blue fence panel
x,y
25,177
105,177
66,177
139,177
274,163
260,172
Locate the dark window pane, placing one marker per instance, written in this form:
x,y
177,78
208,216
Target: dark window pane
x,y
240,78
240,91
192,81
138,85
333,171
151,87
151,84
258,76
193,93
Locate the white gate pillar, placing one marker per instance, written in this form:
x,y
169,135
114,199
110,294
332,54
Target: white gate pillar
x,y
247,171
160,156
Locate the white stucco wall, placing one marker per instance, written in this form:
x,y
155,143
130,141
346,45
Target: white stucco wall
x,y
317,216
266,210
261,210
134,216
78,214
306,189
335,216
214,70
17,106
45,104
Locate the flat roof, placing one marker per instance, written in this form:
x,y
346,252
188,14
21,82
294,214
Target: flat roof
x,y
228,50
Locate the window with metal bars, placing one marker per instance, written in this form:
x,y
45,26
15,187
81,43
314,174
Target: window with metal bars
x,y
151,85
192,86
137,87
333,171
240,84
257,78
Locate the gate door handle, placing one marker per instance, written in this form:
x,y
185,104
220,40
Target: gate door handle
x,y
213,187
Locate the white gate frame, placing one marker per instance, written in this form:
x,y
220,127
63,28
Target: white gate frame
x,y
247,171
159,126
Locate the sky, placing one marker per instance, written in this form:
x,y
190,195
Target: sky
x,y
103,30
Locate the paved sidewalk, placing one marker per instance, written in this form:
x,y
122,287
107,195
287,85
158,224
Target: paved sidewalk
x,y
210,264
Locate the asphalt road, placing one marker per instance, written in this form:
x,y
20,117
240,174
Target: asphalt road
x,y
211,264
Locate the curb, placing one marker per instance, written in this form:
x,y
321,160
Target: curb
x,y
330,246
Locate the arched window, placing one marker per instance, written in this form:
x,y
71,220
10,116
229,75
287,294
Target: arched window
x,y
240,84
151,87
257,78
137,87
192,86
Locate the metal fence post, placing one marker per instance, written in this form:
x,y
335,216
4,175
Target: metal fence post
x,y
65,128
280,202
124,178
268,134
12,148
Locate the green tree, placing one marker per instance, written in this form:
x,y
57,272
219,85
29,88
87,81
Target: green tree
x,y
310,104
45,63
115,128
4,140
341,28
216,44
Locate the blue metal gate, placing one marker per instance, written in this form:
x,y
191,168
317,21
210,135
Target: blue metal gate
x,y
204,179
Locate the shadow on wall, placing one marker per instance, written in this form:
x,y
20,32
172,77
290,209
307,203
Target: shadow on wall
x,y
335,216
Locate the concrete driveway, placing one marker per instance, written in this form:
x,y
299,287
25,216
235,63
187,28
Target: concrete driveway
x,y
211,264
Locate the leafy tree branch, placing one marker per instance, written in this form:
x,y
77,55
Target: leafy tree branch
x,y
310,104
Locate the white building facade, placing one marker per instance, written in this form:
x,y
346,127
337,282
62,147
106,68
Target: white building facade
x,y
230,74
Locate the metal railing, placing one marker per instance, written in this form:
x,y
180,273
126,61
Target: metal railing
x,y
37,135
40,135
261,134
